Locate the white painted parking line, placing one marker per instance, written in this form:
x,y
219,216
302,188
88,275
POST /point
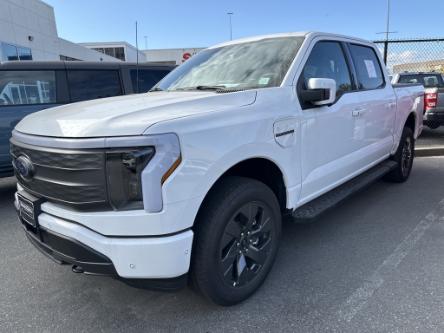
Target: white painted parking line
x,y
363,294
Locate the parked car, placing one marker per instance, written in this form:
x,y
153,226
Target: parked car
x,y
434,95
192,179
27,87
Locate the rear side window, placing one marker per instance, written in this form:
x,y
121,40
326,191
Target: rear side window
x,y
327,61
367,66
27,87
147,78
92,84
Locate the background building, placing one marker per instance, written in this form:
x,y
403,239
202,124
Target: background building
x,y
170,56
120,50
423,66
28,32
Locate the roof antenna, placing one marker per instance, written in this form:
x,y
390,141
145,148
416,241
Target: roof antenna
x,y
137,61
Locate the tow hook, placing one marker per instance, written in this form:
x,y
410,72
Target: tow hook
x,y
77,269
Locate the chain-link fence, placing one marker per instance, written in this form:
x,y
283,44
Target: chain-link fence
x,y
413,55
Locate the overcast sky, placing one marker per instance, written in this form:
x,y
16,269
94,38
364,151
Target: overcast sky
x,y
195,23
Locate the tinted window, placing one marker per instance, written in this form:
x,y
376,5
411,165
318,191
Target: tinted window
x,y
327,61
24,53
27,87
9,52
147,78
367,66
93,84
427,80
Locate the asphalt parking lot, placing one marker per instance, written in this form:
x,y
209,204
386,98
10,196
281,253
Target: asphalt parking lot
x,y
431,138
373,264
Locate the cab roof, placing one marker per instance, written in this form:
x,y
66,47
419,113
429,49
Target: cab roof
x,y
306,34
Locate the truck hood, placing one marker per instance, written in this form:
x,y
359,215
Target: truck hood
x,y
127,115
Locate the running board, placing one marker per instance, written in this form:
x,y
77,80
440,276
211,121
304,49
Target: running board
x,y
318,206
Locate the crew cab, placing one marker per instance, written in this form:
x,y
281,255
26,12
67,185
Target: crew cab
x,y
189,182
31,86
433,83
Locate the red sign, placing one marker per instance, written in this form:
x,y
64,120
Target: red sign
x,y
186,56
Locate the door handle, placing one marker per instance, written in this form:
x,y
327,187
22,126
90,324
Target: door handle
x,y
358,112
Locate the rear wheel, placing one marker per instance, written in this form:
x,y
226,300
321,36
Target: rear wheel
x,y
404,157
237,238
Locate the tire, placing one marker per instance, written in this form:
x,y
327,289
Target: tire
x,y
237,235
404,158
433,126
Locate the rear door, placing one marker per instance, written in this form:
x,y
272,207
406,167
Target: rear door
x,y
23,92
376,108
328,134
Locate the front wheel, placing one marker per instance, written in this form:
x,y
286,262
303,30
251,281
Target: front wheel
x,y
404,158
236,240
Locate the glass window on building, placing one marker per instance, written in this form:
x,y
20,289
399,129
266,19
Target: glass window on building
x,y
92,84
24,53
66,58
120,53
116,52
12,52
27,87
9,52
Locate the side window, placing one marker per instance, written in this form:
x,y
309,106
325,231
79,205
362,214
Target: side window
x,y
368,68
147,78
327,61
92,84
27,87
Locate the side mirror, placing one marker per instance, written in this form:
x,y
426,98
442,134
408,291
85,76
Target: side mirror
x,y
319,91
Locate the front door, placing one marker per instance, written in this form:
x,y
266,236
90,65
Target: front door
x,y
329,135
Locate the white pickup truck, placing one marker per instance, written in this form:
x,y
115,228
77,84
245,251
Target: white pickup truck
x,y
189,182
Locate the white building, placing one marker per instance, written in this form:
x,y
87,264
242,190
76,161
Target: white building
x,y
120,50
170,56
28,32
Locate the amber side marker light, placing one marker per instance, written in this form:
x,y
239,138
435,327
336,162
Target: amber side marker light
x,y
171,169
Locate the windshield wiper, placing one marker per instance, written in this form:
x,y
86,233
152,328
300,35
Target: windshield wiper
x,y
220,87
203,87
155,89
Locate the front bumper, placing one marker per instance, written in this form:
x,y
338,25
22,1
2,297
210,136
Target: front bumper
x,y
130,258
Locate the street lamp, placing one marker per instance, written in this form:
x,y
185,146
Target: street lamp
x,y
230,14
387,32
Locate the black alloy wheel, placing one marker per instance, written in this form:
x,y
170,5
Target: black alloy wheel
x,y
245,244
236,240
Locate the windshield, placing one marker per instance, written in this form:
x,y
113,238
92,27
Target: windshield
x,y
258,64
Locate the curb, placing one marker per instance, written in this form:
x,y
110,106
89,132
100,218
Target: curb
x,y
429,151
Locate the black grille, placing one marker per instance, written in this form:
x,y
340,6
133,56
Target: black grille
x,y
75,177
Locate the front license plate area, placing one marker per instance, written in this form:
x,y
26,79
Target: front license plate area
x,y
29,208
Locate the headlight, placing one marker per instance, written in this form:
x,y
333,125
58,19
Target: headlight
x,y
135,176
124,171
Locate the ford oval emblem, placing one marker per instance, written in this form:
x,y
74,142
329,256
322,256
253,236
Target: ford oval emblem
x,y
24,167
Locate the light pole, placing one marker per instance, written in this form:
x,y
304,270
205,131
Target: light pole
x,y
387,29
230,14
387,32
